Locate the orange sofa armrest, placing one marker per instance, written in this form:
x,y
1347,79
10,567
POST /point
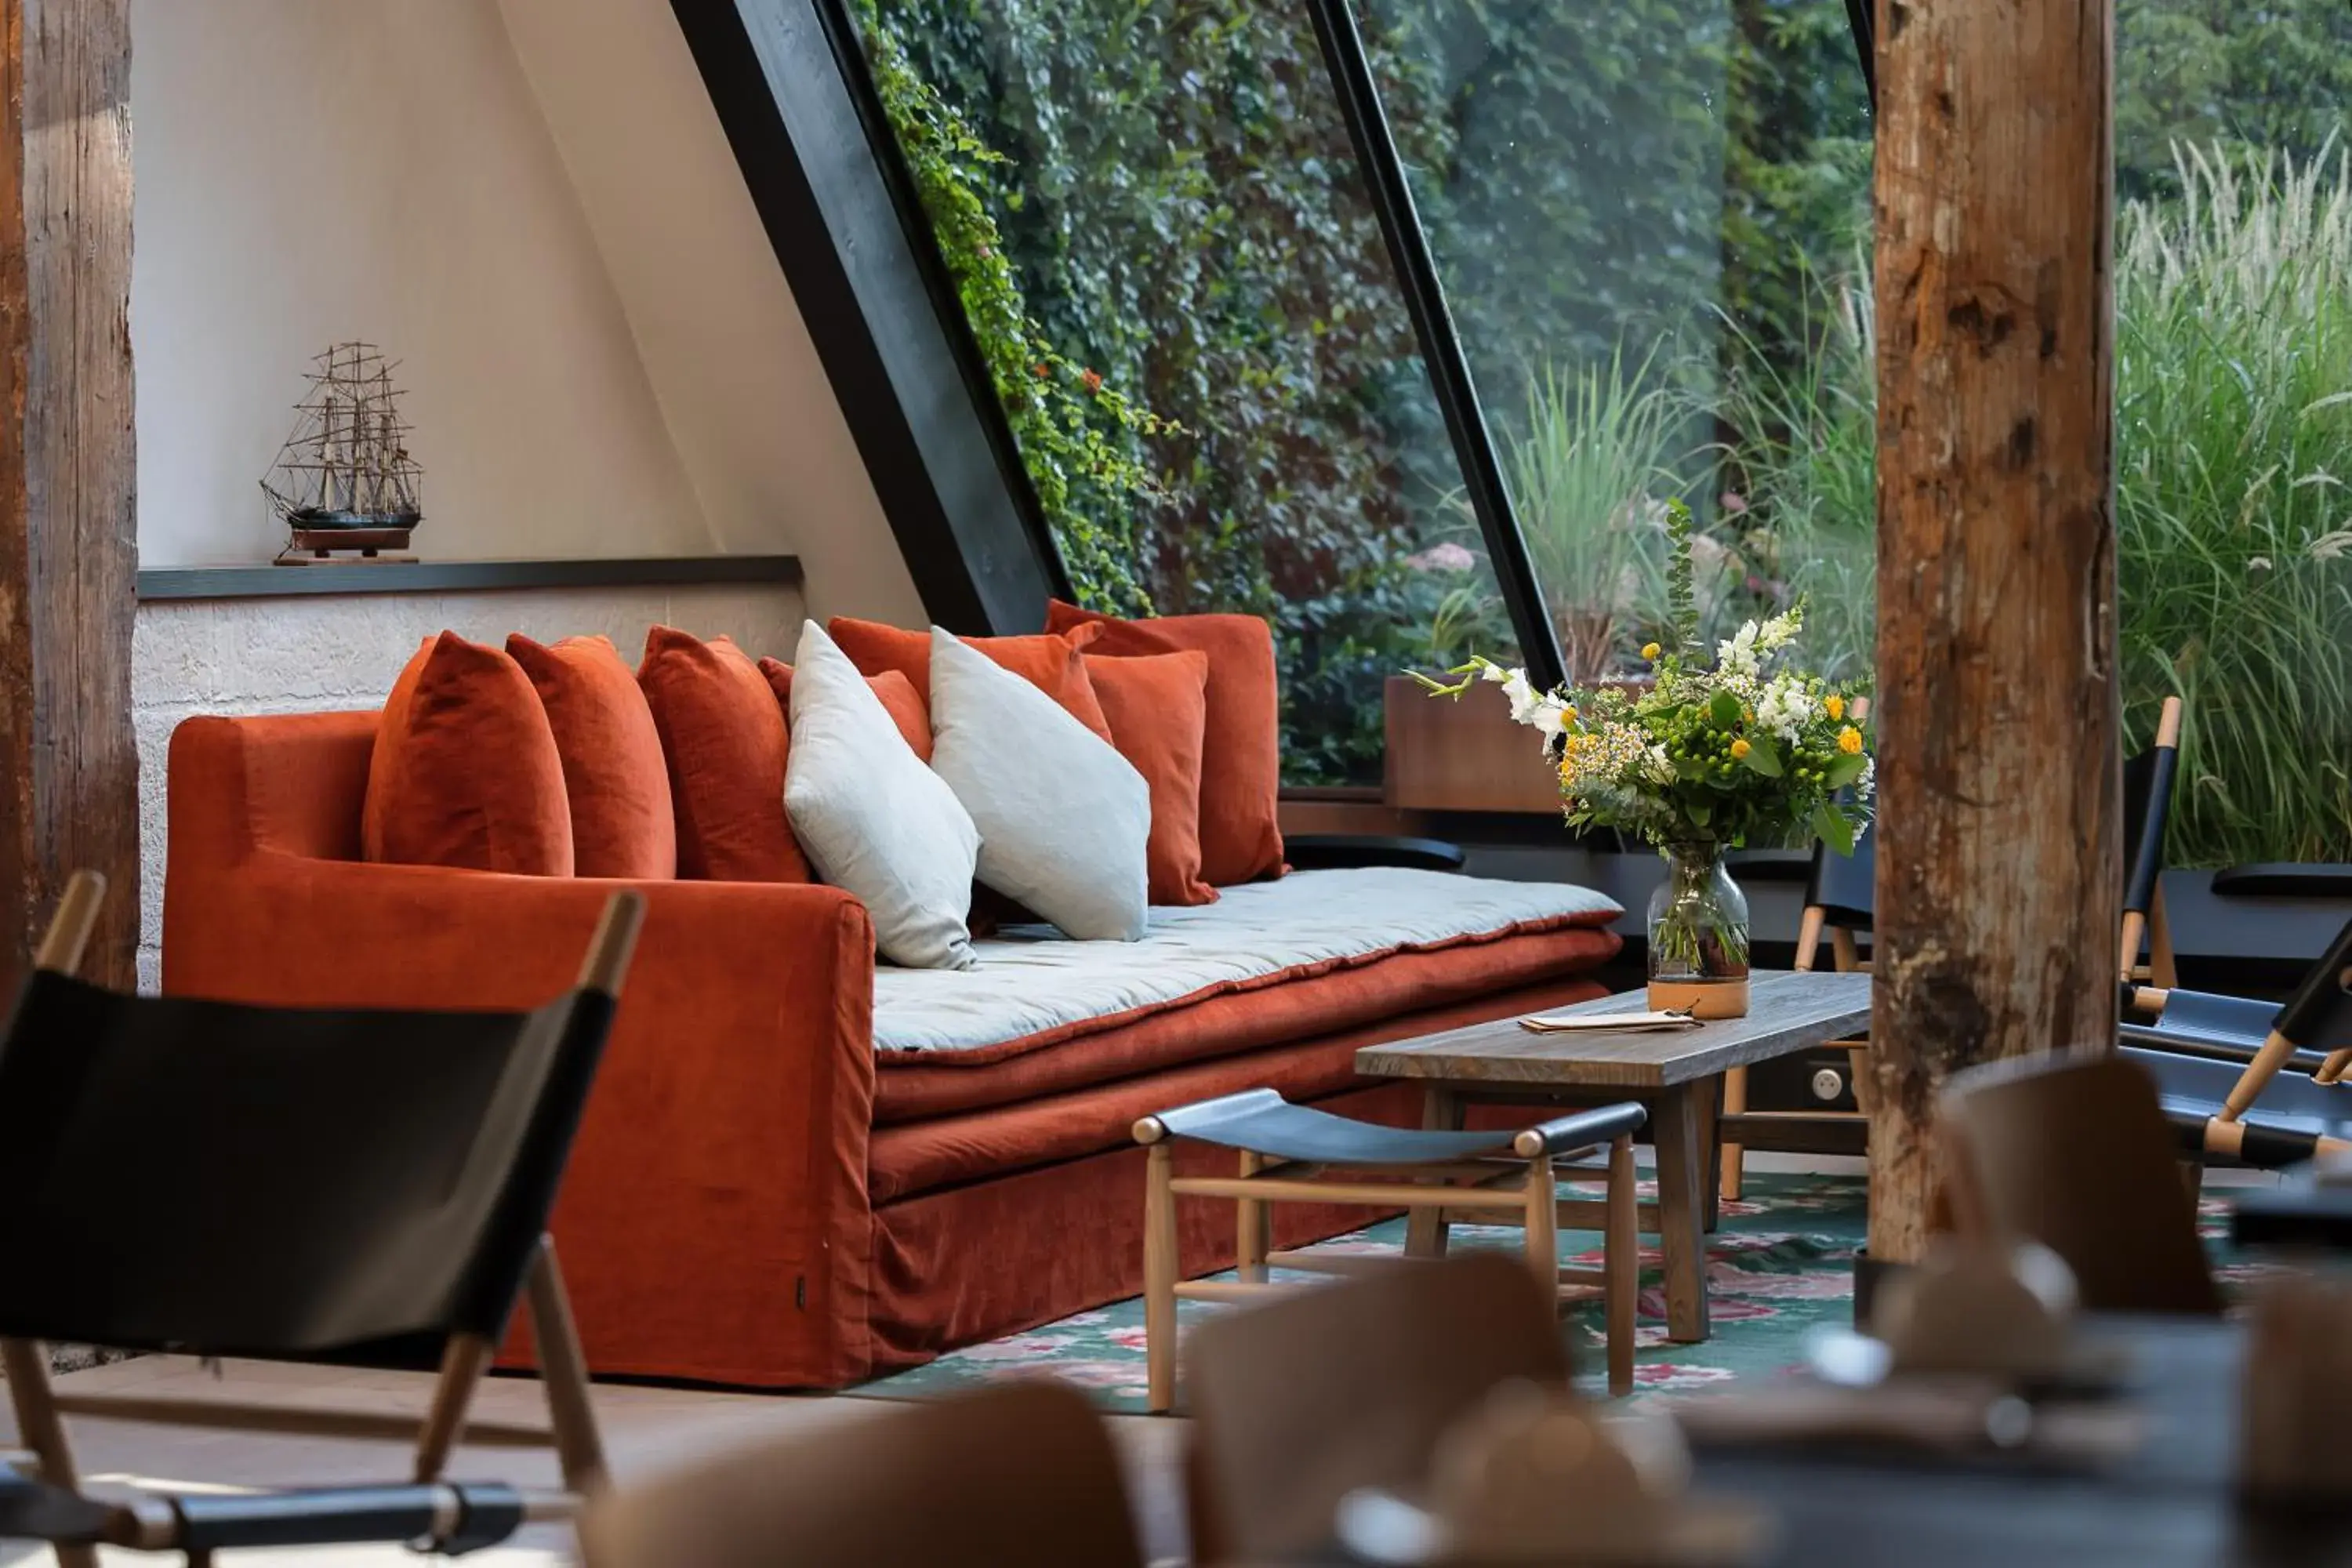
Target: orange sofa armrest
x,y
714,1222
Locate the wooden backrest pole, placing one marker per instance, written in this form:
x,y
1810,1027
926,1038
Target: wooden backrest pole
x,y
1999,849
68,547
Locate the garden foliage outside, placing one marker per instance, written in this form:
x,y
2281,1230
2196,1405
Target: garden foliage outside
x,y
1651,218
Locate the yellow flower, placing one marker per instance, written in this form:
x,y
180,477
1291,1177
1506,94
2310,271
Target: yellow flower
x,y
1835,708
1850,741
1749,714
1740,748
1649,651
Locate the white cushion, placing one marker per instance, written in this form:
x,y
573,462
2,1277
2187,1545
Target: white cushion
x,y
1029,982
875,821
1063,817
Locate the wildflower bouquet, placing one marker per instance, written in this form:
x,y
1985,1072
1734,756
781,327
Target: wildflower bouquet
x,y
1713,755
1719,756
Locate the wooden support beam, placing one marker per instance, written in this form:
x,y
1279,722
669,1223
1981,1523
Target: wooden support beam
x,y
2000,855
68,552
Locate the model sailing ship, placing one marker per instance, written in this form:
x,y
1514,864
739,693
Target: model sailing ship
x,y
344,480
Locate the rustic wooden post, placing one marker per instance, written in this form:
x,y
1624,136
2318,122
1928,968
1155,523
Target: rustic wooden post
x,y
68,770
2000,857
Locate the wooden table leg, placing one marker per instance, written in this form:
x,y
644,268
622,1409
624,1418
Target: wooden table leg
x,y
1710,1149
1425,1227
1683,1173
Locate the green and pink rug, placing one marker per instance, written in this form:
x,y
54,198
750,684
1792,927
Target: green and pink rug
x,y
1781,1261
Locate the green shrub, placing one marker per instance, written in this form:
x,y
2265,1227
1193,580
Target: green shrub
x,y
2233,419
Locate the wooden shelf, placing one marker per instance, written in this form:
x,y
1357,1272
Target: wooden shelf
x,y
464,576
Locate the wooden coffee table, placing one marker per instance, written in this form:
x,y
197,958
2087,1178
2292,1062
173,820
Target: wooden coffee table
x,y
1677,1074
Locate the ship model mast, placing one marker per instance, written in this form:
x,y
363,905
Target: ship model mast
x,y
344,480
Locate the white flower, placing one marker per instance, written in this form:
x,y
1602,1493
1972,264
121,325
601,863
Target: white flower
x,y
1661,768
1549,716
1785,707
1737,655
1521,692
1868,780
1491,672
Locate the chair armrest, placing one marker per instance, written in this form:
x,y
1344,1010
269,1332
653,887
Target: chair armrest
x,y
1343,851
1580,1129
715,1206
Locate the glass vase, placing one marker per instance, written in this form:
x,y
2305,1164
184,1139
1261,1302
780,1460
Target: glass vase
x,y
1698,936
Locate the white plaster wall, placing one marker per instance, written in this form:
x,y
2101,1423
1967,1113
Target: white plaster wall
x,y
722,342
309,171
329,652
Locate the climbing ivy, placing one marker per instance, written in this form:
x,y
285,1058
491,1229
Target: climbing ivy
x,y
1079,434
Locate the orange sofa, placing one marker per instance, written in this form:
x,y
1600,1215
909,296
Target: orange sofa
x,y
758,1196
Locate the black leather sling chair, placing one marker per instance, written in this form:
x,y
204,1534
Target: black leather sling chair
x,y
288,1183
2245,1081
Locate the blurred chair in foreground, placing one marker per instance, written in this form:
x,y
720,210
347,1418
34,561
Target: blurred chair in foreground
x,y
1024,1473
1300,1401
2071,1149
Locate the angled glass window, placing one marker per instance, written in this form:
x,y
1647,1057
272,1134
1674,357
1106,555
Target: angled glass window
x,y
1167,254
1652,223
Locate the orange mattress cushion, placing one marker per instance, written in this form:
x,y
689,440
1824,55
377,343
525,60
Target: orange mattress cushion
x,y
723,736
1301,1060
613,776
1240,749
1296,1003
465,772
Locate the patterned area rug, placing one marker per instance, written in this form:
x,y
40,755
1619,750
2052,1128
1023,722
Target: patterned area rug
x,y
1781,1261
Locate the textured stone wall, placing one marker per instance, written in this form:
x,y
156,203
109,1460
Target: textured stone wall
x,y
308,655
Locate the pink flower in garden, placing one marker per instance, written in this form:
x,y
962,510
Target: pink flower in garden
x,y
1446,557
1732,502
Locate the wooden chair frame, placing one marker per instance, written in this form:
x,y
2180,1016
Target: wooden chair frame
x,y
1522,1190
1811,927
150,1524
2152,928
2225,1131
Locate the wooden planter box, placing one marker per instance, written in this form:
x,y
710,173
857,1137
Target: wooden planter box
x,y
1463,754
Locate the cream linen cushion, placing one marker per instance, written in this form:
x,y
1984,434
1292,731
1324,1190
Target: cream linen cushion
x,y
1064,819
873,821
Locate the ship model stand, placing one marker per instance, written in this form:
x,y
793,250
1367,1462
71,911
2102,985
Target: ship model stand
x,y
343,484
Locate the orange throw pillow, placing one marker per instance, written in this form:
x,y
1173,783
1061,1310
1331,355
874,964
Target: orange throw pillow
x,y
724,738
1241,749
465,771
613,770
1047,661
1158,705
908,710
